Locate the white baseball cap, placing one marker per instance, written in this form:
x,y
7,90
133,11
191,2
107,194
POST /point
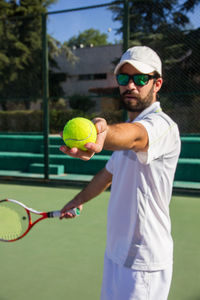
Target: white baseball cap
x,y
143,58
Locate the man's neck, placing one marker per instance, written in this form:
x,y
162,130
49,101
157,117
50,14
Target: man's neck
x,y
133,115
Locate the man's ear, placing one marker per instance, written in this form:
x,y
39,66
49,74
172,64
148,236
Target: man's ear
x,y
158,84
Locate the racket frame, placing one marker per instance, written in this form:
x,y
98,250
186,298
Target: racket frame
x,y
44,215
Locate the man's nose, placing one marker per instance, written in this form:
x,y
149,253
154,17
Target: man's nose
x,y
131,85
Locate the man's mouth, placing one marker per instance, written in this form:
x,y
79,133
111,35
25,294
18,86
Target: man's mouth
x,y
130,98
129,95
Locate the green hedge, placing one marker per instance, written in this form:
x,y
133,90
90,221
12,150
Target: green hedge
x,y
32,121
187,119
20,121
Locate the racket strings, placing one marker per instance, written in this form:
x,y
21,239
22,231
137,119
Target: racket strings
x,y
9,237
14,221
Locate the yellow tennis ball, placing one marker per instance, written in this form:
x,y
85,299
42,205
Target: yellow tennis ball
x,y
79,131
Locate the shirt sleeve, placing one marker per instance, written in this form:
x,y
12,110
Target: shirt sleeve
x,y
162,133
110,165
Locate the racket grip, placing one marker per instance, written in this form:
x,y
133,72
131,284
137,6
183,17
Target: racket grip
x,y
74,212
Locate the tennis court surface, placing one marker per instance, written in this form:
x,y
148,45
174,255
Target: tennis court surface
x,y
64,259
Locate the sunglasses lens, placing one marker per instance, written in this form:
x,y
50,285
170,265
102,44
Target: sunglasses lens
x,y
141,79
122,79
138,79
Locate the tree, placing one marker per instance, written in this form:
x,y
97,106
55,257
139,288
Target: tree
x,y
164,25
21,52
149,15
87,38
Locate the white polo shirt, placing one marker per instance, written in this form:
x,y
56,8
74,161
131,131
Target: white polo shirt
x,y
139,227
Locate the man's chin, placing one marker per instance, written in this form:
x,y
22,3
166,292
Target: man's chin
x,y
132,108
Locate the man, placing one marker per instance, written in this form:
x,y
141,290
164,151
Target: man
x,y
139,250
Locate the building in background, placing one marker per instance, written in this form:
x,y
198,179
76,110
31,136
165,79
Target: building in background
x,y
93,71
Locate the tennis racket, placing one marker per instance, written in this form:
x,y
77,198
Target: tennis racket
x,y
16,219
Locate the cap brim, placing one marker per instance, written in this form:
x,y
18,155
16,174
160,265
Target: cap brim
x,y
141,67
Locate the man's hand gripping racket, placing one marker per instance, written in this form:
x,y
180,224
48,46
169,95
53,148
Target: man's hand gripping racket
x,y
16,219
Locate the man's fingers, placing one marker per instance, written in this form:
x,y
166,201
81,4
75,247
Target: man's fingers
x,y
92,148
77,153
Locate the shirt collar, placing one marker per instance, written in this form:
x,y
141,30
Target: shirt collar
x,y
153,108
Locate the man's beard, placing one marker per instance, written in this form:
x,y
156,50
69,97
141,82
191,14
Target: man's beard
x,y
141,104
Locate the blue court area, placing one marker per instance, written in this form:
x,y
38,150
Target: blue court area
x,y
64,259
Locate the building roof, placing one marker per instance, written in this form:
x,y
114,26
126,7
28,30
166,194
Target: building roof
x,y
91,60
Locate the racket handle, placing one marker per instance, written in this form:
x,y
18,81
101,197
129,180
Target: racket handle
x,y
57,213
75,211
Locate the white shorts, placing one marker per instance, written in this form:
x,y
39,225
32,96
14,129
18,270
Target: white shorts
x,y
120,283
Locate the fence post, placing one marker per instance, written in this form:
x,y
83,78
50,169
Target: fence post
x,y
45,95
126,26
126,34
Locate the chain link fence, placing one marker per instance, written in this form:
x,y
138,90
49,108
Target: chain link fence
x,y
20,73
81,77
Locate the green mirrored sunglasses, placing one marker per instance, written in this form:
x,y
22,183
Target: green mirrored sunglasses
x,y
138,79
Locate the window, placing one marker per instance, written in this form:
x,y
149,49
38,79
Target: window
x,y
92,76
